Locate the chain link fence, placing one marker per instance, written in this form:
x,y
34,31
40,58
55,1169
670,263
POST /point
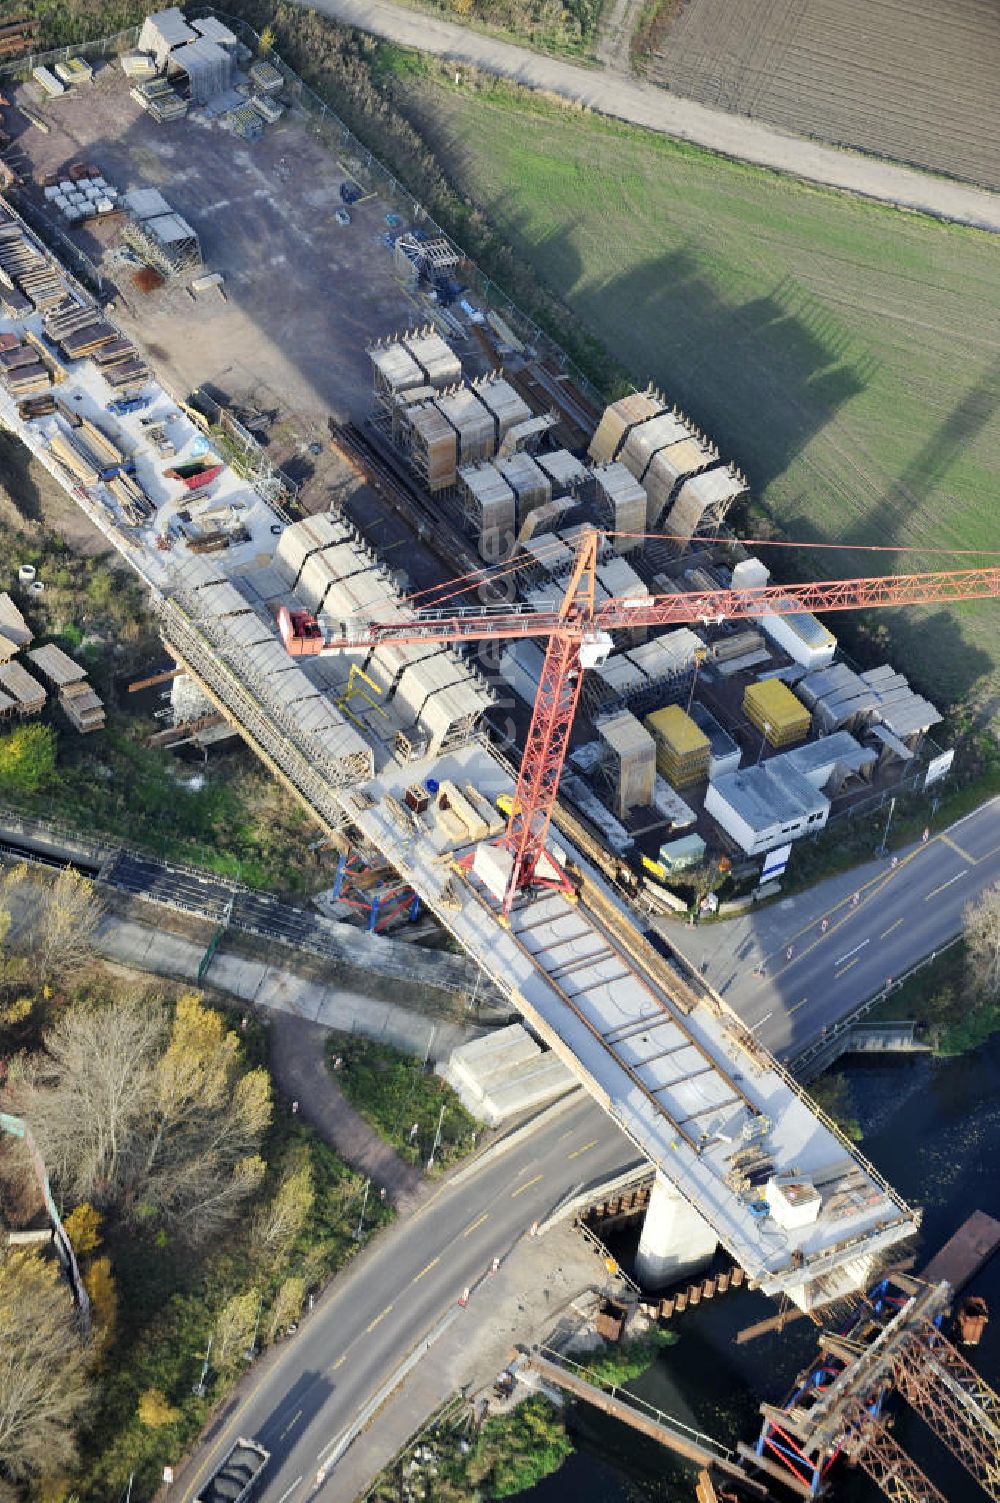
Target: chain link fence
x,y
21,68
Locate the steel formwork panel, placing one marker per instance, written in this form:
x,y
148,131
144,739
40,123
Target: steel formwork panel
x,y
617,421
507,405
647,439
473,424
666,470
438,361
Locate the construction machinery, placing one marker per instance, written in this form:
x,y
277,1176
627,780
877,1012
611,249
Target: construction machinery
x,y
579,631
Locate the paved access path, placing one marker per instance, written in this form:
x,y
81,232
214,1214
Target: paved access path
x,y
615,94
298,1064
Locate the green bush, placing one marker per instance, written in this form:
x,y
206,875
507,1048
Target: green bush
x,y
27,759
394,1093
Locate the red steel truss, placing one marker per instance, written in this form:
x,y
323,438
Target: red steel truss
x,y
889,1467
542,764
954,1400
579,621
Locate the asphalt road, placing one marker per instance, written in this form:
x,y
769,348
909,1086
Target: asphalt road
x,y
298,1401
848,937
624,98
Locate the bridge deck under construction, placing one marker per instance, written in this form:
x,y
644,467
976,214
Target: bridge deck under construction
x,y
677,1071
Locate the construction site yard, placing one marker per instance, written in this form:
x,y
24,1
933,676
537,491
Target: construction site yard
x,y
303,294
842,353
915,82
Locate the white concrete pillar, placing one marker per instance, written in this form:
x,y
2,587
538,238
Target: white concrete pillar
x,y
676,1241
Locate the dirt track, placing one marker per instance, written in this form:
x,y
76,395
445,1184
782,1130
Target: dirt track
x,y
646,105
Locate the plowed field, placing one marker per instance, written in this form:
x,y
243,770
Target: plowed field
x,y
915,80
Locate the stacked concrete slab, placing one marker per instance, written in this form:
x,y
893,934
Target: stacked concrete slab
x,y
504,1074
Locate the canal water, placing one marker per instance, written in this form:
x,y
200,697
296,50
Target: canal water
x,y
933,1129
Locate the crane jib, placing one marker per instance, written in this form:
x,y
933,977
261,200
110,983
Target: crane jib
x,y
690,608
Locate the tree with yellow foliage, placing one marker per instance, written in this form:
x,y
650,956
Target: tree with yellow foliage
x,y
100,1285
287,1307
283,1219
155,1411
234,1330
44,1390
152,1114
83,1228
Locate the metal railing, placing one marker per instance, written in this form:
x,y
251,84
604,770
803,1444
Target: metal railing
x,y
811,1062
618,1391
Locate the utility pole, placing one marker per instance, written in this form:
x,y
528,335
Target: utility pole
x,y
763,739
199,1388
885,834
361,1219
437,1138
251,1351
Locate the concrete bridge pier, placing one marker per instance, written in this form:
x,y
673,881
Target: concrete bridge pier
x,y
676,1242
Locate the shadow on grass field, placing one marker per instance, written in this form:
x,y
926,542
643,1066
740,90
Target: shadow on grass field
x,y
842,353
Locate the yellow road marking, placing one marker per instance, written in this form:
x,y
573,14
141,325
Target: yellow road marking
x,y
431,1264
837,974
526,1186
973,860
890,928
291,1423
339,1363
585,1149
472,1228
219,1445
378,1318
797,1006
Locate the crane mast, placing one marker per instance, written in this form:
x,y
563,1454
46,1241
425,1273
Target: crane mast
x,y
578,637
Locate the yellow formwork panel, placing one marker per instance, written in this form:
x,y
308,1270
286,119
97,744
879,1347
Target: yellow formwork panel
x,y
771,704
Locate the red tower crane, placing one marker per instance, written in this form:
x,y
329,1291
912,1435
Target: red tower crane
x,y
578,634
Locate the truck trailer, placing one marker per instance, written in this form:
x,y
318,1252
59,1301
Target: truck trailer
x,y
234,1481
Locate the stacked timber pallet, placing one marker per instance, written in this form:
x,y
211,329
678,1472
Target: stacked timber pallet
x,y
82,707
77,699
25,268
89,455
81,333
21,370
27,694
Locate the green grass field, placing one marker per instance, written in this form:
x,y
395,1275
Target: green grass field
x,y
843,354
